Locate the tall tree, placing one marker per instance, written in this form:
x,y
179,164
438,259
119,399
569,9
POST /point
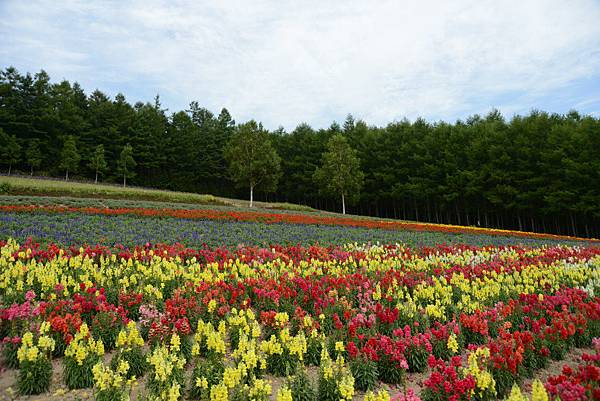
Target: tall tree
x,y
98,162
340,172
253,162
33,154
126,163
69,157
10,149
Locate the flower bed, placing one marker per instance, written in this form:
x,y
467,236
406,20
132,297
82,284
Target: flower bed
x,y
220,323
287,218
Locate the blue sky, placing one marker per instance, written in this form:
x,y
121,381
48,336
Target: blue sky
x,y
287,62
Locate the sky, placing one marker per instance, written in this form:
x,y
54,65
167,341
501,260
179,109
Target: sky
x,y
287,62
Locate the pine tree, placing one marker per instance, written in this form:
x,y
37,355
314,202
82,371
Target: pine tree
x,y
69,157
340,171
33,154
98,162
10,150
253,162
126,163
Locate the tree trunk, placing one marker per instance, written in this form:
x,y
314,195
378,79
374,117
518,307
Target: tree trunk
x,y
9,168
124,180
343,205
457,213
251,195
416,210
67,175
96,180
31,174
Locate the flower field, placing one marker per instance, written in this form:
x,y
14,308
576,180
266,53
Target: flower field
x,y
215,228
330,323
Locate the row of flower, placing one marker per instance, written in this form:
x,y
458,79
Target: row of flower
x,y
77,228
287,218
214,324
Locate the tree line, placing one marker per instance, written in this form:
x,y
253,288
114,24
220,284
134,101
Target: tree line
x,y
537,172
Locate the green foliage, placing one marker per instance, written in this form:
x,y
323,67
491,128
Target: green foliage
x,y
327,390
135,357
110,394
253,162
34,376
69,157
106,326
9,355
282,364
126,163
206,373
390,372
416,358
340,172
33,154
313,352
79,376
5,188
9,150
98,162
39,188
364,372
301,386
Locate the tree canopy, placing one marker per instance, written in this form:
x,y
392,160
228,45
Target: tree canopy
x,y
253,162
126,163
69,156
536,172
339,174
98,162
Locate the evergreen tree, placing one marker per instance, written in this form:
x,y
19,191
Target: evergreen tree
x,y
69,157
33,154
98,162
126,164
340,172
253,162
10,149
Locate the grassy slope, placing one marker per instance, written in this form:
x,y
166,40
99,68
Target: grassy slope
x,y
24,189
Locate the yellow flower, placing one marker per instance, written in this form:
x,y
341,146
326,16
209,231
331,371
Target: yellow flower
x,y
452,343
212,304
174,393
346,387
175,342
538,392
202,382
284,394
219,392
515,394
32,354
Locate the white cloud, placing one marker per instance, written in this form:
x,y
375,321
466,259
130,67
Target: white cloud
x,y
285,62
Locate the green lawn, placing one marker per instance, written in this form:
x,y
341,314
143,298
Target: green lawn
x,y
23,190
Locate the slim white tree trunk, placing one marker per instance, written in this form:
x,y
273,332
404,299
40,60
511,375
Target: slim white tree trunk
x,y
124,180
31,174
343,205
251,195
96,181
9,168
67,175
